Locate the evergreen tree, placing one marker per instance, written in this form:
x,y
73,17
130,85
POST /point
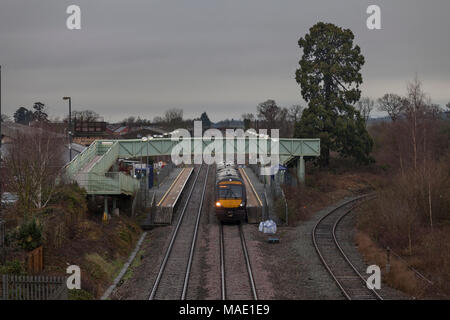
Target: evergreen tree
x,y
23,116
206,123
40,112
329,76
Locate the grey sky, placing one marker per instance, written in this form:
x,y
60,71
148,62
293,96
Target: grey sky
x,y
220,56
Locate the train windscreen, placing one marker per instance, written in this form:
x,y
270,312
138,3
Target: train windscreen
x,y
230,191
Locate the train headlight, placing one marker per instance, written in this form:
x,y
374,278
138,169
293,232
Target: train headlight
x,y
218,204
241,205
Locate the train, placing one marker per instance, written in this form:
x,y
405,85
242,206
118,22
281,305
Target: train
x,y
230,194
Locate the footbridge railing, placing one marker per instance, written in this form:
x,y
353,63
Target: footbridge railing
x,y
81,160
91,167
108,183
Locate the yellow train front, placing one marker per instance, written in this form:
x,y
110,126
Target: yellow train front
x,y
230,195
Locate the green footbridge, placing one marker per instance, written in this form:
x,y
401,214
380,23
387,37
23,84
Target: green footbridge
x,y
91,169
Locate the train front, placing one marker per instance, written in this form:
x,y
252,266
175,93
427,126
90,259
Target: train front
x,y
230,199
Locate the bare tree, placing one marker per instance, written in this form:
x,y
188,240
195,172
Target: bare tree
x,y
295,112
268,111
272,116
248,119
249,116
32,163
420,114
158,119
173,115
130,121
365,107
85,115
286,129
5,118
173,118
415,108
448,106
392,104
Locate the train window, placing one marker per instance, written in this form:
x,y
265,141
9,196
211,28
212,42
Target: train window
x,y
230,192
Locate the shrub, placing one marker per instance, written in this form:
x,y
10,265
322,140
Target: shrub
x,y
29,235
73,199
62,219
80,295
12,267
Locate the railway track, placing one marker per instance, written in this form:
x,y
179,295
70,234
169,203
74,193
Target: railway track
x,y
172,280
347,277
237,281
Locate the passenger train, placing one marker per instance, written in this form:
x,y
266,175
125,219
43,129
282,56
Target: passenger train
x,y
230,195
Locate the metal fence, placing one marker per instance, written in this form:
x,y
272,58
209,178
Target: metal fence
x,y
33,288
149,220
141,197
107,183
275,205
144,198
81,160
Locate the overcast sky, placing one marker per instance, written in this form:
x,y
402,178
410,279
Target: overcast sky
x,y
220,56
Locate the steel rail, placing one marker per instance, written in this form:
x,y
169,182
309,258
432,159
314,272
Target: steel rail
x,y
172,240
194,240
322,258
247,263
346,257
222,264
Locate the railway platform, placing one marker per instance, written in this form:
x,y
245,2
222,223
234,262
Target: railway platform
x,y
156,194
254,198
168,195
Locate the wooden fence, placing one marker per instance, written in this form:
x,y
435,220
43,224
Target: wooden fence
x,y
33,288
35,261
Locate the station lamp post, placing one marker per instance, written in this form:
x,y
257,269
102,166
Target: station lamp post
x,y
70,126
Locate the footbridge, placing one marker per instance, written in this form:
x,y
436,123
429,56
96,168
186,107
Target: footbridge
x,y
93,169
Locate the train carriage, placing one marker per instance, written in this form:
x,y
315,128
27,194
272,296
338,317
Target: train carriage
x,y
230,194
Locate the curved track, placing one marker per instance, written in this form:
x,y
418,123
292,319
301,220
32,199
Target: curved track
x,y
235,264
173,276
347,277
